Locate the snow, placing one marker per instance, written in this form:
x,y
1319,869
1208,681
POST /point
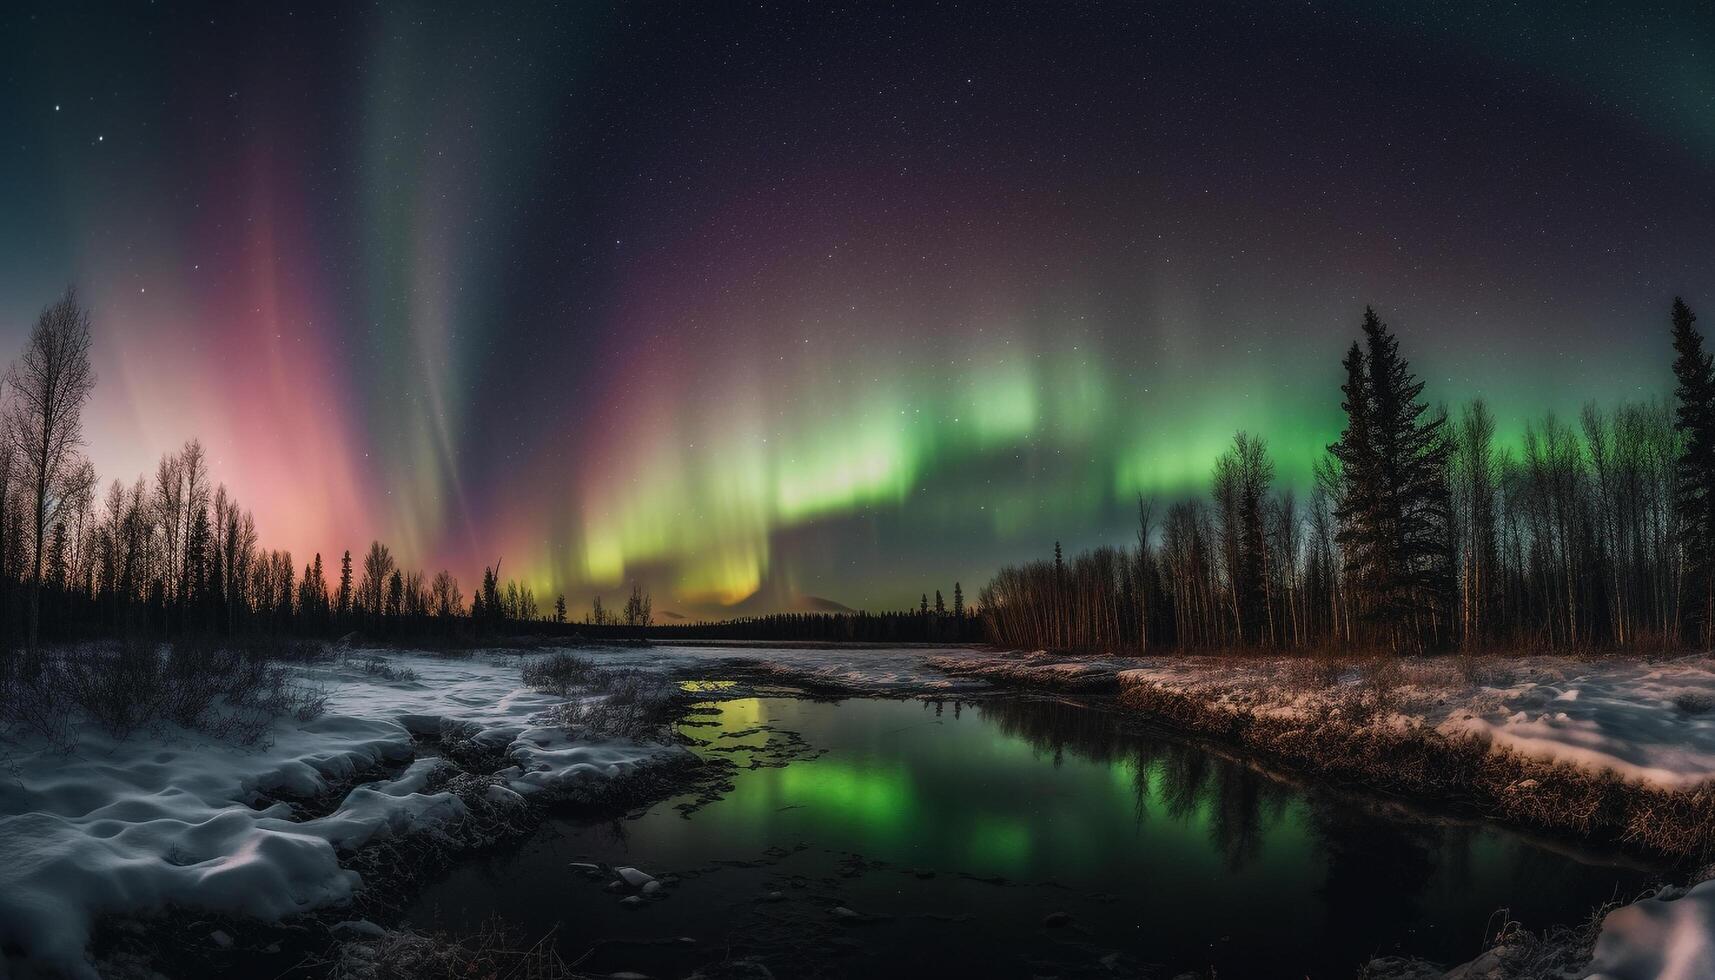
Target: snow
x,y
114,826
856,667
117,826
1647,721
1663,938
1620,715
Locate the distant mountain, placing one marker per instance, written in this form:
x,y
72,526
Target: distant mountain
x,y
766,602
815,603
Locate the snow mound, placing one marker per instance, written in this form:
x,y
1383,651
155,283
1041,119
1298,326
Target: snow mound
x,y
1659,939
1625,715
181,818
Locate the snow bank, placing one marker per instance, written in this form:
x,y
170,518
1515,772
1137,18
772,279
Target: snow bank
x,y
1659,939
1650,722
127,825
862,669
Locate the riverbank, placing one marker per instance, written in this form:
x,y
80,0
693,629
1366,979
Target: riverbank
x,y
1617,750
410,759
1612,750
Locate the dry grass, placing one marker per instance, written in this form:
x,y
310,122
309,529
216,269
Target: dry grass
x,y
1466,770
1513,952
494,952
561,674
607,703
1309,674
375,665
1693,703
230,691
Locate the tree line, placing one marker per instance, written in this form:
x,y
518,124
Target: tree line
x,y
1420,531
937,623
178,553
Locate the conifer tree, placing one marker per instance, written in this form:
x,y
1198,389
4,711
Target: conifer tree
x,y
1694,474
319,586
343,600
1394,509
395,595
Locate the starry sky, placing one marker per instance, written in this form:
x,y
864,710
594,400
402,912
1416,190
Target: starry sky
x,y
768,304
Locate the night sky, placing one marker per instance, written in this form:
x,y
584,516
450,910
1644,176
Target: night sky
x,y
772,302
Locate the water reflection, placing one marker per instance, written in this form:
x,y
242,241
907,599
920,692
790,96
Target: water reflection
x,y
1424,861
1178,780
966,825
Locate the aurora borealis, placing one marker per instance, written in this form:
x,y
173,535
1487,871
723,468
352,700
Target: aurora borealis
x,y
757,305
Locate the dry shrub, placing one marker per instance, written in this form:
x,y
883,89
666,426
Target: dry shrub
x,y
1485,671
122,687
375,665
561,674
628,704
617,703
1694,702
493,952
1314,672
1379,679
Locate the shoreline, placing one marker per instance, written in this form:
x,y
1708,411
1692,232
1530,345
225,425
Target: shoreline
x,y
1465,772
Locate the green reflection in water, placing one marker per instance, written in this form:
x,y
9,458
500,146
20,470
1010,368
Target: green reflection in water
x,y
987,796
1157,848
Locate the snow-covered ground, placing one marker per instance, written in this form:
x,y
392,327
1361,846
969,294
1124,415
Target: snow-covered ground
x,y
860,669
1648,721
1663,938
113,826
133,824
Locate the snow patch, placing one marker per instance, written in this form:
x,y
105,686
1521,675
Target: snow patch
x,y
126,825
1659,939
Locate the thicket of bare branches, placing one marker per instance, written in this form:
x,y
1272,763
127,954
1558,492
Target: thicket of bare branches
x,y
177,553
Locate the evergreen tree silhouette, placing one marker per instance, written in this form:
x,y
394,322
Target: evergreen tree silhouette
x,y
1694,473
395,595
1394,512
344,599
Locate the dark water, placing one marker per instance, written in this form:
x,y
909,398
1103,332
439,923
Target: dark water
x,y
1014,838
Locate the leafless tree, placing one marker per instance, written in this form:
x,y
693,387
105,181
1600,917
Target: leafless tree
x,y
48,385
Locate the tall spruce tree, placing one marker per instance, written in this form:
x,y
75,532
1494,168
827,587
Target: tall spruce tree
x,y
343,607
1694,474
1395,510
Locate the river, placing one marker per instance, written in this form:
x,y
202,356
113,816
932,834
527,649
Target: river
x,y
1010,836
